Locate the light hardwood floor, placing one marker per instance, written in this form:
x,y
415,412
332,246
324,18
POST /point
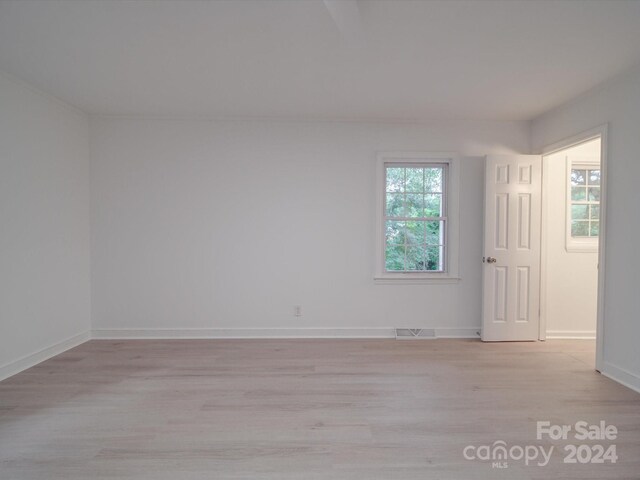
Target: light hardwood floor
x,y
305,409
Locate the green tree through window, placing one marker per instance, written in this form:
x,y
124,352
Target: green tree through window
x,y
415,218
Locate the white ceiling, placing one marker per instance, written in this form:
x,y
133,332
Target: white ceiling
x,y
288,58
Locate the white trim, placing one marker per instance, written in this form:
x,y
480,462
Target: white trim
x,y
571,334
602,132
621,375
544,215
406,279
16,366
575,140
604,168
452,235
275,333
221,333
458,332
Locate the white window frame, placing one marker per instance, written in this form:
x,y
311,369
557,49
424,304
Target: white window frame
x,y
451,197
580,244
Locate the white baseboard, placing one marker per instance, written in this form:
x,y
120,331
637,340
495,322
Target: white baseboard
x,y
571,334
186,333
458,332
213,333
9,369
621,375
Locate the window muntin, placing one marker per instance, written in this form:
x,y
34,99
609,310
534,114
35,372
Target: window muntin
x,y
585,202
415,217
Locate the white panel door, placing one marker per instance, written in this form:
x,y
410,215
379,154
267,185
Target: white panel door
x,y
511,282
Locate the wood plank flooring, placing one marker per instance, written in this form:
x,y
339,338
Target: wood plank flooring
x,y
306,409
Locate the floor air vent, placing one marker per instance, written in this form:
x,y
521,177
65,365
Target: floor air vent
x,y
415,333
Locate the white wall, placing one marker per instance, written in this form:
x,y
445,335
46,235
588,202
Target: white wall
x,y
571,277
618,103
228,225
44,218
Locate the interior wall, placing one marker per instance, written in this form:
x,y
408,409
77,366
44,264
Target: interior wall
x,y
228,225
617,103
44,214
571,277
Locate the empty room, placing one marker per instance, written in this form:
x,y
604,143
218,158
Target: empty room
x,y
319,239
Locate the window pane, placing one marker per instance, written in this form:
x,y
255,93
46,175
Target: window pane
x,y
578,177
416,258
414,205
579,229
394,257
434,233
595,229
579,212
395,179
413,192
433,205
434,258
395,204
415,180
595,212
594,177
395,232
578,193
415,233
433,179
594,194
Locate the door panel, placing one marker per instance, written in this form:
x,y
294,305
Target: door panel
x,y
511,300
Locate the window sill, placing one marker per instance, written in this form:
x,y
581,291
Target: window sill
x,y
410,279
582,247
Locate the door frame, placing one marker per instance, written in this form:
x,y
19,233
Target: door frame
x,y
601,132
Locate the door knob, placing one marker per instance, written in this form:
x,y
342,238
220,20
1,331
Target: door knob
x,y
491,260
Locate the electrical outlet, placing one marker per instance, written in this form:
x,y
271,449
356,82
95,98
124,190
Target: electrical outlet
x,y
297,310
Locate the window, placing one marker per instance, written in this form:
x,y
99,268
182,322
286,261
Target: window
x,y
583,206
417,217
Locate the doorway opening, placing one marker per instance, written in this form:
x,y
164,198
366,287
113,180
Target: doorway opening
x,y
572,258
